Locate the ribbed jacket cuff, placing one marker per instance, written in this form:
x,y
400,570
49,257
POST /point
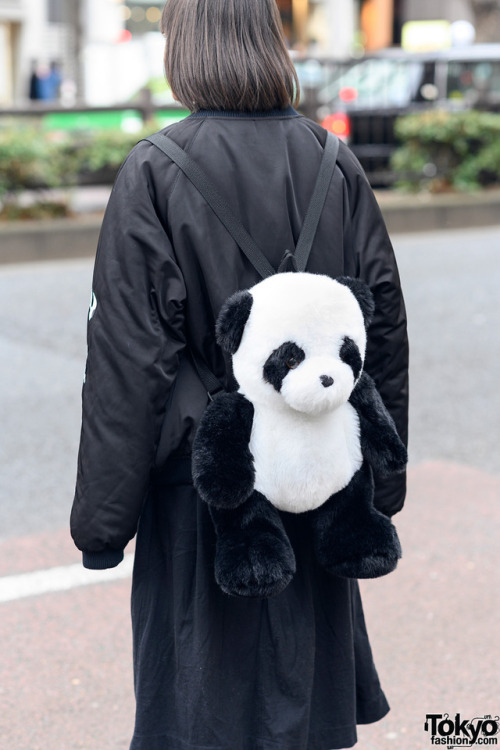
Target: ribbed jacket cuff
x,y
107,558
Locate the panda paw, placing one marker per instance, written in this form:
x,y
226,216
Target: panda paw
x,y
254,566
374,565
391,459
372,554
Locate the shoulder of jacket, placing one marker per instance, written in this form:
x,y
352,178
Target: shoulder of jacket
x,y
181,132
350,166
147,160
346,160
184,131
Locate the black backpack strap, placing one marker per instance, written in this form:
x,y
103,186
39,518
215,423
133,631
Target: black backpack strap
x,y
238,232
201,182
213,385
315,208
233,225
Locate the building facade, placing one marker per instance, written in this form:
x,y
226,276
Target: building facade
x,y
35,33
106,50
103,50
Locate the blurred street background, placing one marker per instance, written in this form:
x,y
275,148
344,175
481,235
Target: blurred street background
x,y
413,87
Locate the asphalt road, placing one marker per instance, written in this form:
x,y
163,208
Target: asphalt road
x,y
65,679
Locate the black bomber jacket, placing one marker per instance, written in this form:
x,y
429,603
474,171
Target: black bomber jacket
x,y
165,265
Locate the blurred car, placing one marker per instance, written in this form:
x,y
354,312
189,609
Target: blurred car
x,y
359,100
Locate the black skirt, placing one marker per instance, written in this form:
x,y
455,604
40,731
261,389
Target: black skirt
x,y
214,672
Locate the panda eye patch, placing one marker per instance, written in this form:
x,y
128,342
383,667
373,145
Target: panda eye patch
x,y
349,353
286,357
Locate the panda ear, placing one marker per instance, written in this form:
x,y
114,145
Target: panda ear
x,y
232,320
363,295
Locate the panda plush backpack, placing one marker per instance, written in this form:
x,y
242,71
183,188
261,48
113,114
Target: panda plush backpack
x,y
306,429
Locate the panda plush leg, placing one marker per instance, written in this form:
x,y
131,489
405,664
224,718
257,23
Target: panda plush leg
x,y
253,556
352,538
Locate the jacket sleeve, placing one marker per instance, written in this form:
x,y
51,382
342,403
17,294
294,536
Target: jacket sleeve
x,y
387,348
135,336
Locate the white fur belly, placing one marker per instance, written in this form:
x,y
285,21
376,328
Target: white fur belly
x,y
300,460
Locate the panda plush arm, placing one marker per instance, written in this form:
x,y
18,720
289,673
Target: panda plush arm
x,y
222,465
381,445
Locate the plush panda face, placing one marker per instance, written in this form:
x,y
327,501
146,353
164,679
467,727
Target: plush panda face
x,y
298,343
314,383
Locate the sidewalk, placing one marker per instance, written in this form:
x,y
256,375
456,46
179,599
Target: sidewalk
x,y
422,212
77,237
432,627
433,623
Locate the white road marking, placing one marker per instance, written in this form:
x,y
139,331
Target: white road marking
x,y
63,578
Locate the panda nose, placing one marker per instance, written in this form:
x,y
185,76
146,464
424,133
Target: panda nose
x,y
326,381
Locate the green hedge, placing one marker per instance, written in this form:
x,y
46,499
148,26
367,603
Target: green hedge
x,y
441,150
27,160
32,159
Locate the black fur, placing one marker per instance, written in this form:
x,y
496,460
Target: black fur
x,y
352,539
253,554
222,464
276,367
232,320
380,442
363,295
349,353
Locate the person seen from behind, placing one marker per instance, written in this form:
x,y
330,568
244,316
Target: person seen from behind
x,y
292,671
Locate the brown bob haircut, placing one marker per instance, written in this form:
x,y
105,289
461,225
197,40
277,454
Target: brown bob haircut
x,y
228,55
